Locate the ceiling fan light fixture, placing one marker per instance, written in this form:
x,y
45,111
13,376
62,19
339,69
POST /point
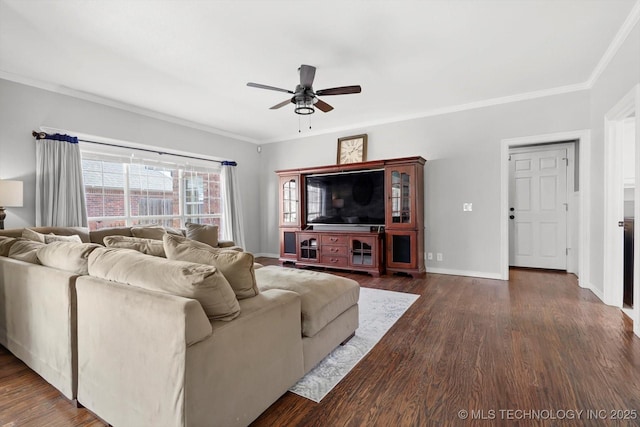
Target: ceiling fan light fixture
x,y
304,108
304,96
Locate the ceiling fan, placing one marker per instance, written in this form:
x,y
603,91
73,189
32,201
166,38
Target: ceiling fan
x,y
304,98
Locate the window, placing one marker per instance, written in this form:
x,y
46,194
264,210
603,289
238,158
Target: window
x,y
315,196
125,191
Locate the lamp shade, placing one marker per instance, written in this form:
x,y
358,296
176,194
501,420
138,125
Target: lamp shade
x,y
10,194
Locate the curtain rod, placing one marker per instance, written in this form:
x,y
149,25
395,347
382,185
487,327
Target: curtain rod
x,y
43,135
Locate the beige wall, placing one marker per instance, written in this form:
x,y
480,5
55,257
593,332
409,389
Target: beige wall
x,y
463,165
24,108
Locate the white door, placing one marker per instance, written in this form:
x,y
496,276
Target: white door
x,y
538,209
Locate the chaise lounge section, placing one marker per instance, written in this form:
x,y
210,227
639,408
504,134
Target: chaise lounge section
x,y
329,307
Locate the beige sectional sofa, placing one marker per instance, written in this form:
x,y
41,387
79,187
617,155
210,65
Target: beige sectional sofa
x,y
38,322
176,344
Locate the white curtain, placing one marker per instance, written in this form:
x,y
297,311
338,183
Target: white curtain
x,y
60,200
233,228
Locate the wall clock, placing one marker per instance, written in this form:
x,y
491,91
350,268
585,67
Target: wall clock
x,y
352,149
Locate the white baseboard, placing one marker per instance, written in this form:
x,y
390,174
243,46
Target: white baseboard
x,y
593,289
481,274
266,255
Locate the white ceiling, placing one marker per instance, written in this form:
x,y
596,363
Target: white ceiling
x,y
191,59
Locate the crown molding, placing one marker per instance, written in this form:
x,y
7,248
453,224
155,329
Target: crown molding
x,y
616,43
441,111
63,90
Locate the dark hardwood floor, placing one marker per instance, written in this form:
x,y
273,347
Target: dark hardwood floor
x,y
535,350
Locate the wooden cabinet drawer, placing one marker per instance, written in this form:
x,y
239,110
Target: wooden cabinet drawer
x,y
334,239
331,260
334,250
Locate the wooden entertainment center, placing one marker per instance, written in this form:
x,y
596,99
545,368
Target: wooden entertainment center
x,y
396,245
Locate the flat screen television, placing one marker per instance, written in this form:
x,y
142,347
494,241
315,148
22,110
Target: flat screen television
x,y
354,198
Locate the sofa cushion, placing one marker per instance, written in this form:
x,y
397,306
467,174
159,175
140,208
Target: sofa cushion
x,y
236,266
67,256
323,296
204,283
204,233
30,234
145,246
154,232
5,244
26,250
49,238
148,232
83,232
97,236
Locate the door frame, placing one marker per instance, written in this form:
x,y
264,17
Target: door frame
x,y
571,218
584,195
614,199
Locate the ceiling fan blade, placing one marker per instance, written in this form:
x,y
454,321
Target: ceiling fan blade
x,y
259,86
322,106
307,74
344,90
280,105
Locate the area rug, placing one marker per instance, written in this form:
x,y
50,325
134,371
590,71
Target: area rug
x,y
379,310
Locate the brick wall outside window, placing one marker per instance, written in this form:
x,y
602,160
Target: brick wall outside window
x,y
124,194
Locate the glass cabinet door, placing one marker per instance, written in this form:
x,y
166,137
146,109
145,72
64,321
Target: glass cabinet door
x,y
290,201
308,248
362,252
400,207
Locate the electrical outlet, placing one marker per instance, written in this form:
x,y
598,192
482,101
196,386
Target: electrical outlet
x,y
430,256
467,207
438,256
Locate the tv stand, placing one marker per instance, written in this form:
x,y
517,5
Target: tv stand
x,y
354,250
396,247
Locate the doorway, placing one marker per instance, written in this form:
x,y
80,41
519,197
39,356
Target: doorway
x,y
621,261
628,128
580,224
541,210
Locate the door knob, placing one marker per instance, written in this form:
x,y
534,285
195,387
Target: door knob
x,y
511,216
512,209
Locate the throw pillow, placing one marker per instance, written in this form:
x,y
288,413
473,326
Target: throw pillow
x,y
5,244
154,232
67,256
204,233
146,246
26,250
200,282
48,238
236,266
30,234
